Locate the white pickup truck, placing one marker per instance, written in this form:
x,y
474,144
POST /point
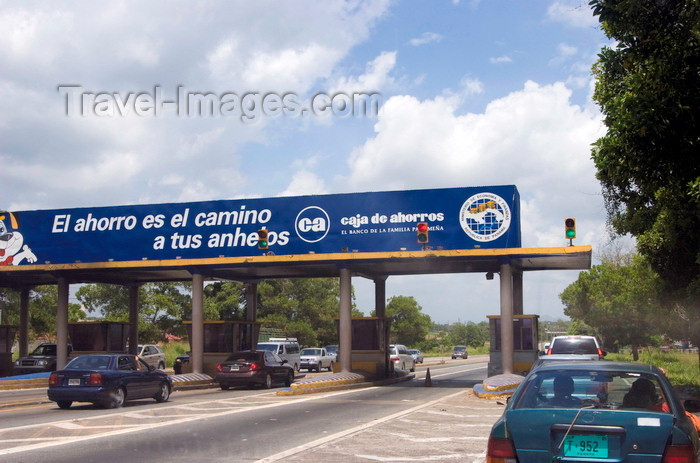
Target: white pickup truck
x,y
315,358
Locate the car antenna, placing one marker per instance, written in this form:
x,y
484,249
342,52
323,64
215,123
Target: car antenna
x,y
556,457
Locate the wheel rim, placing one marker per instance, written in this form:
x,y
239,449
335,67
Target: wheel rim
x,y
268,381
164,392
118,399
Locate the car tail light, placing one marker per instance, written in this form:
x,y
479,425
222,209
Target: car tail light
x,y
53,379
254,366
219,367
678,454
95,379
600,353
394,358
549,351
501,450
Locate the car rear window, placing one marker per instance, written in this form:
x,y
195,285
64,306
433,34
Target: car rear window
x,y
244,357
574,346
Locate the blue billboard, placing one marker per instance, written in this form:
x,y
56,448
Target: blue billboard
x,y
457,218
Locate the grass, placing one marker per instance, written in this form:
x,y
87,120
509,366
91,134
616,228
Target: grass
x,y
681,368
173,349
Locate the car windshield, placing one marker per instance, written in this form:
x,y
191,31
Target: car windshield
x,y
332,349
311,352
45,350
89,362
460,348
592,388
574,346
244,357
267,347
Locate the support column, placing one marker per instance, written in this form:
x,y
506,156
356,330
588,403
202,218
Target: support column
x,y
506,276
345,321
517,293
62,324
380,297
24,322
133,318
197,356
251,297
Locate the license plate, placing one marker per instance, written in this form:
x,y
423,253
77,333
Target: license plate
x,y
586,445
233,368
74,381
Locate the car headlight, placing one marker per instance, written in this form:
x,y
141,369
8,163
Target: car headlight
x,y
42,363
17,363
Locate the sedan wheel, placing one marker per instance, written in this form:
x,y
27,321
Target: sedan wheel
x,y
64,404
117,398
330,367
290,379
268,381
164,393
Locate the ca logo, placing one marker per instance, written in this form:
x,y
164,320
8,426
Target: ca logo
x,y
312,224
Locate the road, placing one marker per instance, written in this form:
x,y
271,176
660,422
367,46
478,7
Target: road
x,y
372,424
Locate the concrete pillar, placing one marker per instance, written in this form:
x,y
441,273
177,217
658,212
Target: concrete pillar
x,y
251,297
380,297
62,324
506,276
24,322
345,321
197,356
133,318
518,293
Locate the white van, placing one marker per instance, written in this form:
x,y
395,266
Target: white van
x,y
286,348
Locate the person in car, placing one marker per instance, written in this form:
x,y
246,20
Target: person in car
x,y
563,388
643,394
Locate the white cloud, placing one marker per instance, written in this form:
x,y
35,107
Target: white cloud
x,y
574,13
305,183
425,38
500,60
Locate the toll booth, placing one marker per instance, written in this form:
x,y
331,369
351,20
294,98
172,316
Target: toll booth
x,y
525,343
101,336
222,337
7,339
369,346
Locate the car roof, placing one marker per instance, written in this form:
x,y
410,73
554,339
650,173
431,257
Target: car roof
x,y
601,365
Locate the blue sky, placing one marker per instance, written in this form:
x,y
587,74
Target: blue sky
x,y
473,93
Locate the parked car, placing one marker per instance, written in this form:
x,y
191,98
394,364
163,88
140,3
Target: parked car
x,y
584,411
152,354
42,359
316,358
398,354
460,352
576,345
254,368
333,351
107,380
417,355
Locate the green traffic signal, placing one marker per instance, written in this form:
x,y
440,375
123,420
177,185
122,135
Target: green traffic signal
x,y
570,228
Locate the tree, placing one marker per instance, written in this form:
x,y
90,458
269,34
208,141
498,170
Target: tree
x,y
647,88
161,306
620,302
409,325
469,334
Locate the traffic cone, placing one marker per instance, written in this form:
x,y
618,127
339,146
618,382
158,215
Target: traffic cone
x,y
428,381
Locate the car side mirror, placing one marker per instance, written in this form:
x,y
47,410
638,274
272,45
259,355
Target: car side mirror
x,y
284,361
151,368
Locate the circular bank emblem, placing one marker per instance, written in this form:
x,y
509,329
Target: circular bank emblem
x,y
312,224
485,217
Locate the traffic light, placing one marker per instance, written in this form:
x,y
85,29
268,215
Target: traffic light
x,y
262,239
570,228
422,230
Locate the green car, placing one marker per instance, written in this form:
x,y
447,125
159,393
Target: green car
x,y
594,412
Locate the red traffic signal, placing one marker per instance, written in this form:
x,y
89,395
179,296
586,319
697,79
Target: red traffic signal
x,y
262,239
422,231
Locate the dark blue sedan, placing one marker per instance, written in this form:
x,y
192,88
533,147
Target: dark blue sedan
x,y
107,380
594,411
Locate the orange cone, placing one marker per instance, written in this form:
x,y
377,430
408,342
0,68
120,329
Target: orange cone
x,y
428,381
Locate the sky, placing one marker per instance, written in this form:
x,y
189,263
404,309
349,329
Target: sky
x,y
470,93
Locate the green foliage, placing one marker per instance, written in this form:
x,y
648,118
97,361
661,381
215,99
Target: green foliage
x,y
620,302
681,368
469,334
409,325
647,88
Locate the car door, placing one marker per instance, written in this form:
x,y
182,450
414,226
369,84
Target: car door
x,y
274,362
129,376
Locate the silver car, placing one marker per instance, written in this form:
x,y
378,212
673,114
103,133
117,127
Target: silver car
x,y
152,354
417,355
402,359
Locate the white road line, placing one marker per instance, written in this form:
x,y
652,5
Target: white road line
x,y
308,445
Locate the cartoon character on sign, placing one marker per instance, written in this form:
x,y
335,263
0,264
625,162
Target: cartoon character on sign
x,y
12,248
